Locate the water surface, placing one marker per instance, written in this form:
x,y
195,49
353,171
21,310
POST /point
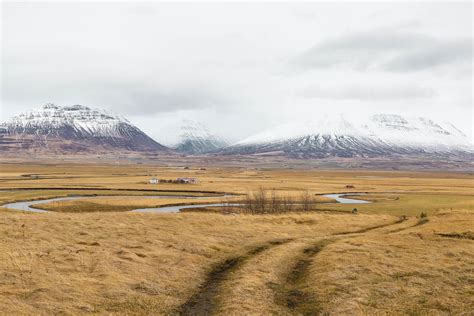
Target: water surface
x,y
28,206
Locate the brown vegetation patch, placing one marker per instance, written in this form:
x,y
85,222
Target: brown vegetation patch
x,y
465,235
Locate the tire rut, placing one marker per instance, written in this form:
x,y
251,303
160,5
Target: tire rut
x,y
419,223
204,302
365,230
290,294
465,235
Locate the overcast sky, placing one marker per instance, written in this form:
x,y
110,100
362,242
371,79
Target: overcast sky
x,y
239,68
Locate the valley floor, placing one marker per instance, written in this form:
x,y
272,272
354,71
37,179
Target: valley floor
x,y
326,260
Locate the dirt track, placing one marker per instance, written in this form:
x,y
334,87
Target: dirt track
x,y
289,293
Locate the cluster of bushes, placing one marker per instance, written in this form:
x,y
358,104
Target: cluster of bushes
x,y
265,201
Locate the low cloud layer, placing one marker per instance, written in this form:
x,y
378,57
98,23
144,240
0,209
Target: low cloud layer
x,y
238,68
369,93
387,50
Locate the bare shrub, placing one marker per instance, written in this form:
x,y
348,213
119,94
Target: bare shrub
x,y
264,201
275,202
249,203
257,202
287,203
261,200
307,201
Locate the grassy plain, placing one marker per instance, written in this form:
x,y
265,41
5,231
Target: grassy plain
x,y
76,261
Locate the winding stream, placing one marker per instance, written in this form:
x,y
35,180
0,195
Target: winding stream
x,y
340,198
28,206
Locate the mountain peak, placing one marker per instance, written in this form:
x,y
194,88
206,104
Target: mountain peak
x,y
79,124
76,107
48,106
195,138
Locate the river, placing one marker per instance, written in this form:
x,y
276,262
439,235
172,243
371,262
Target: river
x,y
28,206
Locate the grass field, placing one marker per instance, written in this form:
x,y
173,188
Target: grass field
x,y
91,256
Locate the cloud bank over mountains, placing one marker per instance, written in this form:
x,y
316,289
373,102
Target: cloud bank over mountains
x,y
238,67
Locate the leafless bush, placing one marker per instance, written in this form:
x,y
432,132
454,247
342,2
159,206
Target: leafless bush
x,y
261,200
275,202
265,201
249,204
287,203
306,201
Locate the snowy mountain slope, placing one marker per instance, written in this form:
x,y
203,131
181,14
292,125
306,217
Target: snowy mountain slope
x,y
76,127
381,134
416,132
195,138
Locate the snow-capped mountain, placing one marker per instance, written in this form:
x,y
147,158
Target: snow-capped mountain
x,y
75,128
195,138
378,135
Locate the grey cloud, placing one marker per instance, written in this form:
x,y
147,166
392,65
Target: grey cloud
x,y
386,51
439,54
156,101
128,96
368,92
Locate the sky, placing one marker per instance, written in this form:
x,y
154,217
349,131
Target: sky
x,y
239,68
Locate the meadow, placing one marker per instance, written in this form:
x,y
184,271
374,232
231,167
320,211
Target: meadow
x,y
93,256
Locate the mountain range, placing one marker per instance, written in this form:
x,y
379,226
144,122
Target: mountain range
x,y
377,135
77,128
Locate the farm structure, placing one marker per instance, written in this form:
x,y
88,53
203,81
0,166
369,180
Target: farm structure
x,y
177,180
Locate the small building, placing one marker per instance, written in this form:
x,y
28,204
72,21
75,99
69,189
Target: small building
x,y
154,181
187,180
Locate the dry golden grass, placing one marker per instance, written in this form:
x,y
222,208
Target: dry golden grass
x,y
233,179
409,272
412,204
135,263
257,287
76,263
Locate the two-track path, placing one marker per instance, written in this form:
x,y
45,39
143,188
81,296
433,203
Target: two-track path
x,y
269,278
